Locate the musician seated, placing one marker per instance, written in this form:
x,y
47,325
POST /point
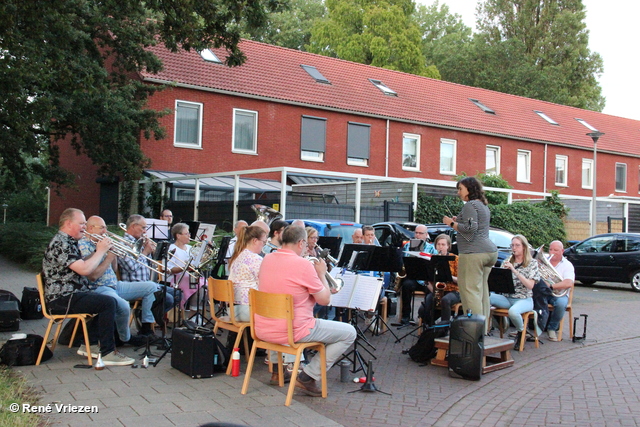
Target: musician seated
x,y
132,270
103,281
543,294
286,271
524,270
321,311
357,236
446,292
409,285
179,253
66,286
275,236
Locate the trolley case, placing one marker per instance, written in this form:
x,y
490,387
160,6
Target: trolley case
x,y
466,347
192,353
9,316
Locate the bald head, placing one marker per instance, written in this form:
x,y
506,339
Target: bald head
x,y
260,223
556,250
96,225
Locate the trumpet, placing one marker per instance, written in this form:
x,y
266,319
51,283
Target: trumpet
x,y
325,254
334,283
123,249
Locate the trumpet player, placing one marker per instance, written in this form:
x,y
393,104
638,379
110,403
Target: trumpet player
x,y
103,281
134,271
447,293
543,293
286,271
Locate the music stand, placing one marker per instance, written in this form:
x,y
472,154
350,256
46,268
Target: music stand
x,y
157,229
501,281
332,243
193,228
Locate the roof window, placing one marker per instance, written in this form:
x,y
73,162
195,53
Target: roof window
x,y
481,106
587,125
317,75
209,56
547,118
383,87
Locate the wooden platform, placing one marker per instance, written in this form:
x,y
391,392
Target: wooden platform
x,y
489,363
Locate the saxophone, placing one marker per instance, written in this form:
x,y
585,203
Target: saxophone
x,y
440,289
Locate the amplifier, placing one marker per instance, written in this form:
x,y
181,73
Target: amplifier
x,y
193,353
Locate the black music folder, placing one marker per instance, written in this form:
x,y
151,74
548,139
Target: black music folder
x,y
435,269
501,281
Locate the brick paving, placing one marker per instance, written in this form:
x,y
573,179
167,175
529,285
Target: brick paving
x,y
590,383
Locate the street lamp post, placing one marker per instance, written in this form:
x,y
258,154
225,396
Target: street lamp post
x,y
594,220
4,207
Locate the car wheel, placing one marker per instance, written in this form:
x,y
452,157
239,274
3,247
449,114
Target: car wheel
x,y
589,282
635,281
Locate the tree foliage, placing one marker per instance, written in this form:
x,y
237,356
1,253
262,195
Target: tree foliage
x,y
56,84
382,33
533,48
539,225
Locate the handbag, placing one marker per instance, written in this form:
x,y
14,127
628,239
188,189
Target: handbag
x,y
24,351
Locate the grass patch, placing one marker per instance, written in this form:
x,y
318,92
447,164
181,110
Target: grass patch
x,y
14,389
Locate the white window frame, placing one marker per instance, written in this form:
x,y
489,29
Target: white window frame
x,y
254,151
309,155
563,160
526,154
199,106
453,143
587,164
415,137
495,149
623,190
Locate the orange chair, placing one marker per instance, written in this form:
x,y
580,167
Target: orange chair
x,y
59,320
222,291
280,306
504,312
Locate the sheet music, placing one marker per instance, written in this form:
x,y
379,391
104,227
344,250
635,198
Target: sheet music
x,y
367,293
342,298
157,228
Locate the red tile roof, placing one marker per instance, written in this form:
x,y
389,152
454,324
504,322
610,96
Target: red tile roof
x,y
274,73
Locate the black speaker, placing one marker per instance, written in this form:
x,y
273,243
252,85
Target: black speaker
x,y
466,347
192,353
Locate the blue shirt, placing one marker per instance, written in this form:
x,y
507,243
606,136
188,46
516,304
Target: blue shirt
x,y
108,278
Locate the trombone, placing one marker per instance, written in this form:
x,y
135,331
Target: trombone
x,y
122,248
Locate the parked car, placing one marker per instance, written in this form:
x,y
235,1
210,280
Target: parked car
x,y
397,234
612,257
332,227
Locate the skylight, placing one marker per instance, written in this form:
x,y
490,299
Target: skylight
x,y
587,125
547,118
317,75
383,88
209,56
481,106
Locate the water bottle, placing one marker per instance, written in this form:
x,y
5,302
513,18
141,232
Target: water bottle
x,y
235,362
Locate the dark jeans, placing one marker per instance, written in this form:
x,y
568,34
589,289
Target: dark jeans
x,y
447,301
174,296
409,286
102,327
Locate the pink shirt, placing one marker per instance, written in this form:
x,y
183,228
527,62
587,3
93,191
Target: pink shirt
x,y
284,272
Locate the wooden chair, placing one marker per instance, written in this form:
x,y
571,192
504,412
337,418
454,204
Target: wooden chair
x,y
222,291
280,306
570,310
504,312
59,320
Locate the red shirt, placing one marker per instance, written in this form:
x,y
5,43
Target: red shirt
x,y
285,272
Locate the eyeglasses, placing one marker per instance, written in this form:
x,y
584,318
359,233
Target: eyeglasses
x,y
305,242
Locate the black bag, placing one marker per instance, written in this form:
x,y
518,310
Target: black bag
x,y
8,296
24,351
196,354
425,348
541,294
9,316
30,306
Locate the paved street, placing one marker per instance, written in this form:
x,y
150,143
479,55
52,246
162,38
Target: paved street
x,y
590,383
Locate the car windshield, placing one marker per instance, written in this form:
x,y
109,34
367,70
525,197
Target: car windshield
x,y
344,231
502,239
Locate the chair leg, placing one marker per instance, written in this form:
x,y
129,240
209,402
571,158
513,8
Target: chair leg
x,y
294,377
323,370
245,340
44,342
247,376
56,335
571,331
73,334
87,343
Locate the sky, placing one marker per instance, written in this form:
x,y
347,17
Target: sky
x,y
612,33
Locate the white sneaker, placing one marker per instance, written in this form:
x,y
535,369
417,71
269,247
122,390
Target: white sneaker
x,y
95,350
553,336
117,359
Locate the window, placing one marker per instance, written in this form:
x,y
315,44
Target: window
x,y
621,177
209,56
245,131
447,156
383,87
188,126
561,170
410,152
481,106
358,144
492,165
547,118
524,166
313,136
587,173
317,75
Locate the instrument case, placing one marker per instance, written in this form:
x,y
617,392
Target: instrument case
x,y
466,347
9,316
195,354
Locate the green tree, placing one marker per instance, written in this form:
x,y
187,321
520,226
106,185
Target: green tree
x,y
382,33
289,28
491,180
55,83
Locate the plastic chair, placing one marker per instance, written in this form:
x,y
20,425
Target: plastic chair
x,y
222,291
59,320
280,306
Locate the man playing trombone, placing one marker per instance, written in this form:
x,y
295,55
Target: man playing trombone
x,y
132,270
103,281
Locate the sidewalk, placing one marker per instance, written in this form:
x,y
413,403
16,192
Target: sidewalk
x,y
593,383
